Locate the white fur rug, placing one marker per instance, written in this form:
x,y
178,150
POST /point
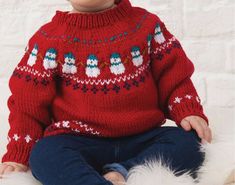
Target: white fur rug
x,y
217,168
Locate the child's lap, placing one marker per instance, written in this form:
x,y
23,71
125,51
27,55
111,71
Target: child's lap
x,y
100,151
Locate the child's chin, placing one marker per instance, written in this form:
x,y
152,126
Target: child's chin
x,y
89,4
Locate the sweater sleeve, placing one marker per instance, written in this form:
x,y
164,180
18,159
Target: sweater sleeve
x,y
32,86
172,71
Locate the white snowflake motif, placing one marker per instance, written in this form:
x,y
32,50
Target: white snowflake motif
x,y
16,137
37,140
27,138
170,107
198,99
57,125
66,124
177,100
188,97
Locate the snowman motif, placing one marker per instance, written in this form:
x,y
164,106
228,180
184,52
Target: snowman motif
x,y
149,43
69,65
33,56
49,61
158,35
137,58
117,66
92,69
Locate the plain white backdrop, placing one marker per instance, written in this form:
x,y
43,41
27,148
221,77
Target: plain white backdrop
x,y
205,28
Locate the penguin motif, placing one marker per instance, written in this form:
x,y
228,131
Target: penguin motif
x,y
137,58
33,56
69,65
158,35
49,61
117,66
92,69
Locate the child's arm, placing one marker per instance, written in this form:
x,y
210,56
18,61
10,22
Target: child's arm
x,y
172,71
32,91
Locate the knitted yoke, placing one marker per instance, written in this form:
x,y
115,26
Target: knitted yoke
x,y
114,73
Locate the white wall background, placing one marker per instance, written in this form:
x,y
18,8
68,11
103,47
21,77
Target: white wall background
x,y
205,28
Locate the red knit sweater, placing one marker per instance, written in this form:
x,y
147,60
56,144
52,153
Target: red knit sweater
x,y
109,74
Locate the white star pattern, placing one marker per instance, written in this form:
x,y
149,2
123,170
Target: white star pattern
x,y
16,137
28,138
177,100
170,107
188,97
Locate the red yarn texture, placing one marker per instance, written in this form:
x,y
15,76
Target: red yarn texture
x,y
108,74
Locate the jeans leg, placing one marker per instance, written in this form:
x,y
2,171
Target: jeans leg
x,y
58,160
174,146
115,167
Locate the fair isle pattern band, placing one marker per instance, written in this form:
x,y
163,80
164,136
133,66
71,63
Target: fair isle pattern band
x,y
165,45
72,125
35,72
70,40
139,71
17,137
179,100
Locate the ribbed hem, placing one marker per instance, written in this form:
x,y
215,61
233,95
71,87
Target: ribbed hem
x,y
18,154
99,19
183,110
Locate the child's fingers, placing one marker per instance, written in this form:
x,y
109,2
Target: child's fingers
x,y
198,127
19,169
206,129
207,132
3,168
9,169
186,125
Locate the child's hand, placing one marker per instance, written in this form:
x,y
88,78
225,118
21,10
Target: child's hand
x,y
200,125
7,167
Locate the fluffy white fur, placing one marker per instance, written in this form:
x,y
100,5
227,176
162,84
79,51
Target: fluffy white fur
x,y
219,162
218,165
156,173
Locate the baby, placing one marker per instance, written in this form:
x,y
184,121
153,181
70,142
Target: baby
x,y
91,93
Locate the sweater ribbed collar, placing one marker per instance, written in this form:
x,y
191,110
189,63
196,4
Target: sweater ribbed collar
x,y
93,20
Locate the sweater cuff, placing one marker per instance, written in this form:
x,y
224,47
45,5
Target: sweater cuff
x,y
185,109
19,154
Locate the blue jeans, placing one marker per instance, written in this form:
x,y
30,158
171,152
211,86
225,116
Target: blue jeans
x,y
69,159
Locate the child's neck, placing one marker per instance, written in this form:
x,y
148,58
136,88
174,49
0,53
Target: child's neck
x,y
95,10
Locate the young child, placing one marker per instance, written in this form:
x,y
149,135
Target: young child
x,y
91,93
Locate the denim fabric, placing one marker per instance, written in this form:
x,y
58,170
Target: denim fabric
x,y
116,167
69,159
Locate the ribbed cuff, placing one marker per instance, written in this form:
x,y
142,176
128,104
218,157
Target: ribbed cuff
x,y
18,154
183,110
116,167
